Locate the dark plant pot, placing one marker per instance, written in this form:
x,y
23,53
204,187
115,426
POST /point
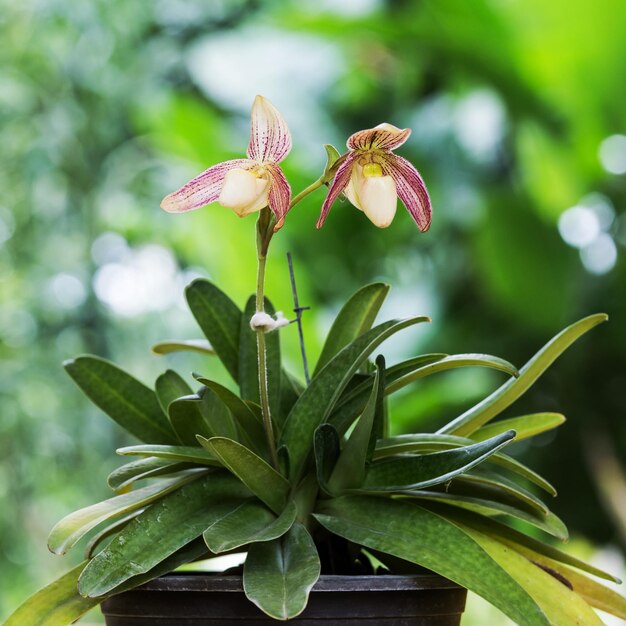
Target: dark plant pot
x,y
213,600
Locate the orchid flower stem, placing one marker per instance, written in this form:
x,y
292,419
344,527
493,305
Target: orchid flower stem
x,y
264,235
306,191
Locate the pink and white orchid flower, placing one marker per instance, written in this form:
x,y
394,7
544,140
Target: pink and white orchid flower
x,y
372,177
245,185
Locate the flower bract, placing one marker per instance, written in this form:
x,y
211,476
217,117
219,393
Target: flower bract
x,y
245,185
372,177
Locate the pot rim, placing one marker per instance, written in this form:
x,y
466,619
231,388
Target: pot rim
x,y
205,582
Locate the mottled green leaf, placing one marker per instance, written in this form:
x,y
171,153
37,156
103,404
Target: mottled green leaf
x,y
250,522
418,471
454,361
109,530
248,425
317,401
161,530
58,604
326,449
525,426
278,575
185,454
76,525
150,467
187,420
190,345
496,505
501,398
127,401
352,401
350,470
410,532
480,482
561,605
355,318
260,477
168,387
495,527
592,592
220,320
429,442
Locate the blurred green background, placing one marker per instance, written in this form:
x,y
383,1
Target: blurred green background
x,y
519,129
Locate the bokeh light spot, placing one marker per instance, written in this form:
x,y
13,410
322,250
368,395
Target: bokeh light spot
x,y
579,226
600,256
613,154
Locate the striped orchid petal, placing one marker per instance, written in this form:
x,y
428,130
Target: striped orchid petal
x,y
204,188
280,194
340,182
410,188
382,137
270,139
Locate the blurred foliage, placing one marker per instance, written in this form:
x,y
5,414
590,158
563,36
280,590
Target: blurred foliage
x,y
106,106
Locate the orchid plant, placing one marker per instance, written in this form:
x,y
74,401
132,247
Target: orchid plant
x,y
305,478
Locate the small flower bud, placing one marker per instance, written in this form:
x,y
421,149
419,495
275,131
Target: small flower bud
x,y
281,320
262,321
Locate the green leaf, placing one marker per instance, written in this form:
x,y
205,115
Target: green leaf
x,y
326,449
352,402
561,605
290,390
497,505
188,420
506,534
76,525
170,386
525,426
131,472
453,362
250,522
501,398
260,477
249,359
189,553
429,442
351,466
394,372
127,401
481,481
332,156
412,533
191,345
249,427
185,454
592,592
161,530
58,604
216,414
220,320
317,401
278,575
355,318
424,470
203,414
109,530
